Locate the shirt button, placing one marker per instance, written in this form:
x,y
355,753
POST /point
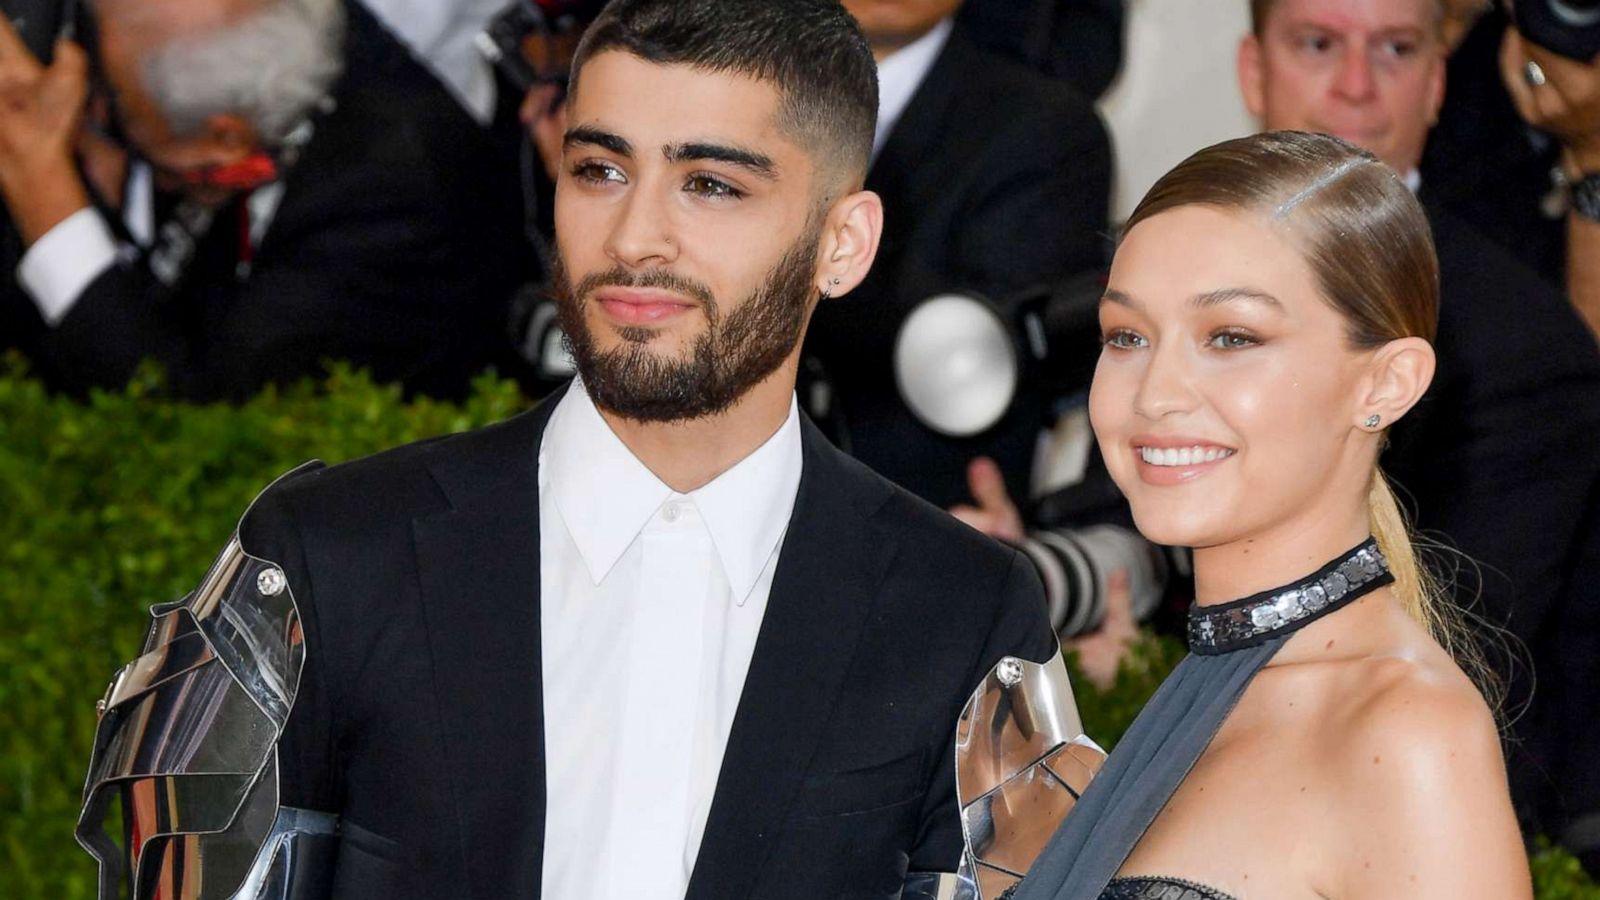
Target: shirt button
x,y
670,512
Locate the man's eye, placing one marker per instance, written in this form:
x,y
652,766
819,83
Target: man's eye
x,y
709,186
1233,340
597,173
1122,339
1399,49
1316,43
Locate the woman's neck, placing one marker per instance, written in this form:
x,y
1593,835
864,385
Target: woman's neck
x,y
1264,561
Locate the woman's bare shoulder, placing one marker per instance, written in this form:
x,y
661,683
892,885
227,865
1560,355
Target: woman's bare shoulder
x,y
1415,756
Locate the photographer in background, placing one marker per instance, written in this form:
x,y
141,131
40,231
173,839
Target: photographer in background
x,y
1514,151
994,178
275,183
1561,97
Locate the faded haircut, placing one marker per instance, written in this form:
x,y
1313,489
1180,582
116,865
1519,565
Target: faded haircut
x,y
811,50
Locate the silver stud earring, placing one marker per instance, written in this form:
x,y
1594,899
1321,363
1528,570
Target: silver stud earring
x,y
1372,421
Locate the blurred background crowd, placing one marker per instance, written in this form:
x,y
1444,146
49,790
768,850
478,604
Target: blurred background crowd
x,y
244,190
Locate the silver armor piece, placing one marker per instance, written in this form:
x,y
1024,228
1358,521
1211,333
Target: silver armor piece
x,y
181,801
1022,761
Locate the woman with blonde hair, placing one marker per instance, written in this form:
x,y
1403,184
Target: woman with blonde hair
x,y
1267,318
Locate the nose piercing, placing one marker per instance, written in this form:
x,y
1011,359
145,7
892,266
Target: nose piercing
x,y
1533,74
1372,421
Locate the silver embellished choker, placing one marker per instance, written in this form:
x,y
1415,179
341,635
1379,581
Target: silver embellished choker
x,y
1261,617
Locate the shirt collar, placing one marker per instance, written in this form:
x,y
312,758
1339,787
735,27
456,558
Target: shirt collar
x,y
899,76
606,496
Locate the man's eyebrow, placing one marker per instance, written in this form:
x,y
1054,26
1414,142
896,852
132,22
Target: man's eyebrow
x,y
605,140
1228,295
758,164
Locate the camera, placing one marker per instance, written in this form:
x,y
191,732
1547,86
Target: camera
x,y
532,41
1568,27
1076,564
41,22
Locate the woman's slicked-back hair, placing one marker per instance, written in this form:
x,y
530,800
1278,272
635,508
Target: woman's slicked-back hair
x,y
812,51
1360,229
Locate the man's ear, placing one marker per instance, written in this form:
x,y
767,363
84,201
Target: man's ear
x,y
1397,376
229,139
849,242
1251,78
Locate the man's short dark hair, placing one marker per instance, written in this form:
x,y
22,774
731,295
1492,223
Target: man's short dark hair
x,y
812,51
1261,10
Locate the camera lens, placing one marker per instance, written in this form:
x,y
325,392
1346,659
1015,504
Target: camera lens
x,y
1076,566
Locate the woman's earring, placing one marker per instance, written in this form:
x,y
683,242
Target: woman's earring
x,y
1372,421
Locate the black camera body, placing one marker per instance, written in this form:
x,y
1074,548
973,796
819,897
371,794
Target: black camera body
x,y
1568,27
41,22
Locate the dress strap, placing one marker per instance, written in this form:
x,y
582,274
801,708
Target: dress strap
x,y
1149,763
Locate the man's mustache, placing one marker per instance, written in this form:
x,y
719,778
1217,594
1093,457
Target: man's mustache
x,y
655,279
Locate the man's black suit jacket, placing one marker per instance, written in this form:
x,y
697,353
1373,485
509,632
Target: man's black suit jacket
x,y
1500,454
419,717
396,245
994,179
1501,459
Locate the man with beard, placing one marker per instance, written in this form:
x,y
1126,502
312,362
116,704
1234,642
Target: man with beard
x,y
656,637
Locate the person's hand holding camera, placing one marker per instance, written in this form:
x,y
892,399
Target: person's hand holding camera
x,y
1561,96
40,110
1557,95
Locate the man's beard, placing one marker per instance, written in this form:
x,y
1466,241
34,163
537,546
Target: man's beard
x,y
722,364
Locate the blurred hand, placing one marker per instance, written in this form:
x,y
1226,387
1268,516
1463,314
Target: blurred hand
x,y
993,513
1567,105
544,114
40,108
1101,652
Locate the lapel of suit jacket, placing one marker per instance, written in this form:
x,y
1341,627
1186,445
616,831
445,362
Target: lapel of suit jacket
x,y
832,561
478,568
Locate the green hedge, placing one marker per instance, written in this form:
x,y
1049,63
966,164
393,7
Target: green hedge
x,y
111,504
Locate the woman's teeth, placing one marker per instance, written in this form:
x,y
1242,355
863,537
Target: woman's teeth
x,y
1182,456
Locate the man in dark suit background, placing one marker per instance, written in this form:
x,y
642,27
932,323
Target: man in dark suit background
x,y
994,179
655,638
306,190
1076,40
1499,458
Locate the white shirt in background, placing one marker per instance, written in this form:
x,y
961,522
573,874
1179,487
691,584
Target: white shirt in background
x,y
650,603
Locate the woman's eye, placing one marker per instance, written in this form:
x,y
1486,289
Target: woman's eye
x,y
1122,340
1233,340
597,173
715,188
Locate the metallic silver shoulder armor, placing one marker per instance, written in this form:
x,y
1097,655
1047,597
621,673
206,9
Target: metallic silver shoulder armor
x,y
1022,761
181,801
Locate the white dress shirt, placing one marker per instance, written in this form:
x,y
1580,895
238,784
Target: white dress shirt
x,y
899,76
69,257
650,603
